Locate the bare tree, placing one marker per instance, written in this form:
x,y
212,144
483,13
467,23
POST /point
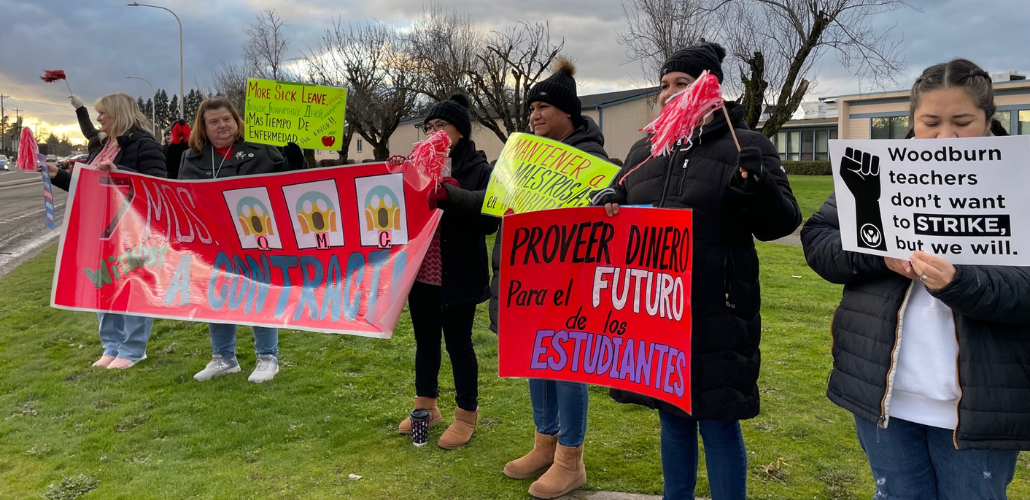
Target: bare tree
x,y
511,62
367,58
444,48
655,29
230,81
265,51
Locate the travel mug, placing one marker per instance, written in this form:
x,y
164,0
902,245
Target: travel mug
x,y
419,426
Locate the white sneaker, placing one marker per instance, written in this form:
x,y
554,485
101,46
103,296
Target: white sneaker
x,y
219,365
267,367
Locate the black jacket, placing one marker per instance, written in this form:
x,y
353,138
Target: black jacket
x,y
139,152
728,214
587,138
173,158
463,229
991,306
245,159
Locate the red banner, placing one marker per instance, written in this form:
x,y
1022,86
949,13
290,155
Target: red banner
x,y
331,250
604,300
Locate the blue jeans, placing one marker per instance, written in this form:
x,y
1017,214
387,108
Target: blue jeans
x,y
124,336
560,406
223,340
918,462
725,457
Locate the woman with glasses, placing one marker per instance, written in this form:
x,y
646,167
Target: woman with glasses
x,y
454,277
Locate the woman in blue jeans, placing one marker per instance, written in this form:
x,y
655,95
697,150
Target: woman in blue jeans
x,y
123,143
559,408
735,196
931,357
217,150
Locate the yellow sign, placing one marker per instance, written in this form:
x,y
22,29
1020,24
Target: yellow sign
x,y
282,112
534,173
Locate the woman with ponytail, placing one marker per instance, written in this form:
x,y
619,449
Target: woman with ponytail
x,y
943,414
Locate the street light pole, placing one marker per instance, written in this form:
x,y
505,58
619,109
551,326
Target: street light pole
x,y
182,94
153,105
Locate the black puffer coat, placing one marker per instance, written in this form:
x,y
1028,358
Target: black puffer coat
x,y
139,151
463,229
587,138
991,306
725,299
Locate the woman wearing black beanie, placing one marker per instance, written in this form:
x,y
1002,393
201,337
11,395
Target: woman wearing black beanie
x,y
736,196
454,277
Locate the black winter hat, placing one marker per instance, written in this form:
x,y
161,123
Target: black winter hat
x,y
559,90
454,111
694,60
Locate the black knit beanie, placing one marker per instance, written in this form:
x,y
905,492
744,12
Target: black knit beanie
x,y
454,111
559,90
696,59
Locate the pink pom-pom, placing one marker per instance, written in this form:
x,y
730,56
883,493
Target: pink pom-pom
x,y
27,151
430,155
52,75
681,114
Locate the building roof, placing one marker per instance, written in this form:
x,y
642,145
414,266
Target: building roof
x,y
592,101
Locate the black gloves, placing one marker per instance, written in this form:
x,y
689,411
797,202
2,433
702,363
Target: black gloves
x,y
294,156
750,160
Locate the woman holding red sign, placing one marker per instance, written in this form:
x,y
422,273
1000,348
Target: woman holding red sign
x,y
453,279
736,194
930,357
122,143
217,150
559,407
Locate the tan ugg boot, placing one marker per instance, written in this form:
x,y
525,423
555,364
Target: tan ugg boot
x,y
536,461
567,474
460,431
425,404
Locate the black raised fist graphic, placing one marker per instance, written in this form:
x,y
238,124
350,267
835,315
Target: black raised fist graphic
x,y
861,173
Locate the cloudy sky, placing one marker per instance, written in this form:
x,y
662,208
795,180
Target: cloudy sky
x,y
100,42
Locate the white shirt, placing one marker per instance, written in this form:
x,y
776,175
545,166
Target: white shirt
x,y
926,389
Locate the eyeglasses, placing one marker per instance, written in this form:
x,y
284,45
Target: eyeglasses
x,y
434,126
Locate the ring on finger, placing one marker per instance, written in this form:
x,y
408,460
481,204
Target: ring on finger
x,y
923,277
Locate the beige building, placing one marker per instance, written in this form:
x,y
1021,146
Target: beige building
x,y
620,115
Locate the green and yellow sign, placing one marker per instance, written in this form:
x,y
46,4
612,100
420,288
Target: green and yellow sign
x,y
534,173
282,112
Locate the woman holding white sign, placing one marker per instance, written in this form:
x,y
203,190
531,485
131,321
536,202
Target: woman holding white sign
x,y
122,143
931,357
736,193
559,407
217,150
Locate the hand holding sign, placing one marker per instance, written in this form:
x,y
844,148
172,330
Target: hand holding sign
x,y
933,271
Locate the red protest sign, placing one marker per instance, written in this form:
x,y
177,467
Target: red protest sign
x,y
604,300
333,250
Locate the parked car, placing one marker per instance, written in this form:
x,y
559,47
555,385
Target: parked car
x,y
67,162
51,158
3,163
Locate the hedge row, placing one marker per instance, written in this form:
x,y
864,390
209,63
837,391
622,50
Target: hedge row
x,y
807,167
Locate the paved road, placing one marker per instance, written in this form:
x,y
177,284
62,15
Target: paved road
x,y
22,229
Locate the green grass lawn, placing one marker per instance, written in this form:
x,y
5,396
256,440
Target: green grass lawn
x,y
811,191
153,432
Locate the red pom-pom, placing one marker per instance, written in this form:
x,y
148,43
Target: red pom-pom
x,y
52,75
681,114
28,151
430,155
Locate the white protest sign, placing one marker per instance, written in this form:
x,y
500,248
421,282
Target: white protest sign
x,y
965,200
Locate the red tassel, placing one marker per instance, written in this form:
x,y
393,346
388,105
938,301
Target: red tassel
x,y
27,151
430,155
52,75
681,114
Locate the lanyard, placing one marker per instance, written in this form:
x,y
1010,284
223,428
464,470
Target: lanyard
x,y
214,172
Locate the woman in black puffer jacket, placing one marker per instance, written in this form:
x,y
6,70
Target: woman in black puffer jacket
x,y
735,197
933,359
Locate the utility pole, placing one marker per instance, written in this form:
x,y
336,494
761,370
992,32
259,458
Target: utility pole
x,y
3,125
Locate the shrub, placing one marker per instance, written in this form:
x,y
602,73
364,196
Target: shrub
x,y
807,167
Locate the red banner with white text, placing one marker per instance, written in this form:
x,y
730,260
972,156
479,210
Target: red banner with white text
x,y
331,250
604,300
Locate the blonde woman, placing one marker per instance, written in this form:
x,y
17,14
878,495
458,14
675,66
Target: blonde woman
x,y
122,143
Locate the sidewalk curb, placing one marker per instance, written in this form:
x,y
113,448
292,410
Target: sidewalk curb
x,y
28,251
